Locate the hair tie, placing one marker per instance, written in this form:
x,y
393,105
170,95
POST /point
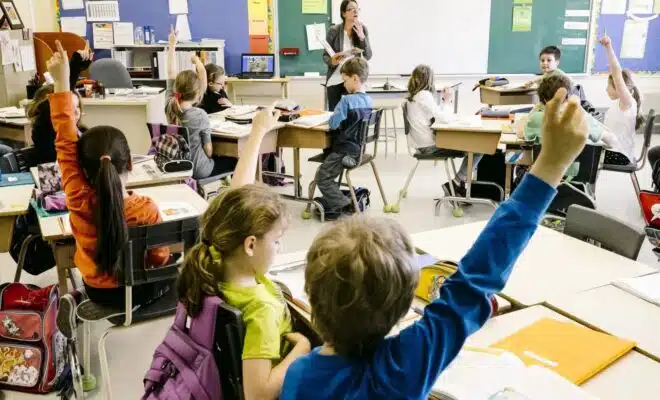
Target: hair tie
x,y
105,157
178,96
215,254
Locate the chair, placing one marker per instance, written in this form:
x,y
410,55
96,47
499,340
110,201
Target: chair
x,y
638,164
447,156
609,232
20,160
369,132
133,274
387,137
111,73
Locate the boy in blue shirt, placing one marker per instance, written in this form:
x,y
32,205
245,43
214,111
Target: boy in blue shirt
x,y
345,122
361,275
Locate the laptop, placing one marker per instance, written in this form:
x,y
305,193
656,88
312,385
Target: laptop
x,y
257,66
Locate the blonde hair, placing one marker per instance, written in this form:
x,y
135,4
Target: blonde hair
x,y
229,220
213,71
360,279
187,87
41,96
421,79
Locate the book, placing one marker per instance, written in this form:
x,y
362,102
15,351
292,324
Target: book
x,y
16,179
573,351
171,211
645,287
480,374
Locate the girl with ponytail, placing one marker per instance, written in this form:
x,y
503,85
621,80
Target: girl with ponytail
x,y
94,172
240,233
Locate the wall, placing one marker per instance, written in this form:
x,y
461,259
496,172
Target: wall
x,y
45,18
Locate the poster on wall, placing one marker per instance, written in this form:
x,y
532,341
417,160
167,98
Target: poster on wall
x,y
314,7
258,17
103,35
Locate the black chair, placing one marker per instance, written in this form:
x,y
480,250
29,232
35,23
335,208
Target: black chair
x,y
369,133
19,160
132,274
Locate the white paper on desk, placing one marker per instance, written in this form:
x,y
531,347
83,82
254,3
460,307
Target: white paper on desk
x,y
27,58
5,48
229,127
645,287
635,33
613,7
641,6
311,121
123,33
314,31
103,35
178,7
72,4
77,25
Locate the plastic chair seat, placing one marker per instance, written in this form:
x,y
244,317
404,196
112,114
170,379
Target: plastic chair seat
x,y
439,154
630,168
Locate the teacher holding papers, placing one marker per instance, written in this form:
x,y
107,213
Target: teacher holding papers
x,y
348,39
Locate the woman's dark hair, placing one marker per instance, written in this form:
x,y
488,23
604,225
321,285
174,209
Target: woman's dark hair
x,y
342,9
103,154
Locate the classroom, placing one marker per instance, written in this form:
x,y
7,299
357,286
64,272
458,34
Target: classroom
x,y
328,199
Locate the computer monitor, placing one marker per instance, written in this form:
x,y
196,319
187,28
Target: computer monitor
x,y
258,65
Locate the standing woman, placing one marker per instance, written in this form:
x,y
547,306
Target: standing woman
x,y
349,36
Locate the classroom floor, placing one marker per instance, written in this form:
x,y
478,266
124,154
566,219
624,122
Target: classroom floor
x,y
130,350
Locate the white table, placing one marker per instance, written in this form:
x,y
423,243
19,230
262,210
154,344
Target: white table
x,y
634,376
16,129
617,312
552,265
399,93
14,201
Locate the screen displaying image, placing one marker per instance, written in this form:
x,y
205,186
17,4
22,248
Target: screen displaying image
x,y
258,63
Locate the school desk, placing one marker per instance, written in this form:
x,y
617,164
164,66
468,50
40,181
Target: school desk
x,y
634,376
14,201
16,129
503,96
397,93
231,144
232,84
552,264
617,312
130,114
61,239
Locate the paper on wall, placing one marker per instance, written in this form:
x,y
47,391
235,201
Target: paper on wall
x,y
522,18
77,25
578,13
613,7
314,6
72,4
5,48
257,17
641,6
183,27
102,11
635,33
314,31
103,35
123,33
574,41
16,54
576,26
178,7
27,58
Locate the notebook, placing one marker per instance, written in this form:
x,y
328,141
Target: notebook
x,y
480,374
573,351
16,179
645,287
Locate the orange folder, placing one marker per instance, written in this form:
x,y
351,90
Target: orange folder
x,y
573,351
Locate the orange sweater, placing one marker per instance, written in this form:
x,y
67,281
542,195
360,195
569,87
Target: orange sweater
x,y
81,198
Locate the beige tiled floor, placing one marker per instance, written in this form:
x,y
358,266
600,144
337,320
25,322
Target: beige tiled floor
x,y
130,350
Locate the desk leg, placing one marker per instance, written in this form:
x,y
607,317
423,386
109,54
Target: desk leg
x,y
470,174
63,264
296,173
233,93
456,99
507,182
6,233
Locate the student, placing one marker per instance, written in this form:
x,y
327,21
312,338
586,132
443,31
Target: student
x,y
624,115
94,172
38,111
361,277
240,234
215,97
549,59
185,90
423,111
345,123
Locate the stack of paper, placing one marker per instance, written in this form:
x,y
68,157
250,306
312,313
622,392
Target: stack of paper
x,y
229,127
645,287
236,111
12,112
313,120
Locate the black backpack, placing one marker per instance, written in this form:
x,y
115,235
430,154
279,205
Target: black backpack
x,y
28,248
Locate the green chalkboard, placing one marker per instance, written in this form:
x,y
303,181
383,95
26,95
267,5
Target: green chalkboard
x,y
292,33
517,52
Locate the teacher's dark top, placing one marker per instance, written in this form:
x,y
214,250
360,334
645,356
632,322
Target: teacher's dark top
x,y
335,38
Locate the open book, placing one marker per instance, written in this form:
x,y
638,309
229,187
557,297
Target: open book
x,y
311,121
645,287
480,374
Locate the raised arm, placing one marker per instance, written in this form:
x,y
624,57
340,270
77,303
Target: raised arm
x,y
172,69
80,61
625,97
440,112
464,302
200,70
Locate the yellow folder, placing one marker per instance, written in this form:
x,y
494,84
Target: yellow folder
x,y
573,351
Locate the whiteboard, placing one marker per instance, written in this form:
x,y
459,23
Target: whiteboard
x,y
449,35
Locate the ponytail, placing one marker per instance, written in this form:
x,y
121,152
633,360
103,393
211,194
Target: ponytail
x,y
173,111
197,280
639,121
111,228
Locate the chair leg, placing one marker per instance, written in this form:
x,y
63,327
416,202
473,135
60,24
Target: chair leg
x,y
351,190
105,367
87,353
380,186
387,138
635,182
404,192
396,141
21,257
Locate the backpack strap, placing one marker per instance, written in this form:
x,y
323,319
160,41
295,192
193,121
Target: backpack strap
x,y
202,329
180,317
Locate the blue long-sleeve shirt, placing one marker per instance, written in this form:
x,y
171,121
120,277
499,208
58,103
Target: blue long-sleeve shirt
x,y
406,366
345,122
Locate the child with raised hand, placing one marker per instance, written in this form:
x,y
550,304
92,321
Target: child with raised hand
x,y
240,234
361,276
185,90
95,169
624,116
215,98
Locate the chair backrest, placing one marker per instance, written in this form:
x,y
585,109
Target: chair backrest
x,y
229,338
18,160
111,73
369,131
611,233
589,160
156,130
648,133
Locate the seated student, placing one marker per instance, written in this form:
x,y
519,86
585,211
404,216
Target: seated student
x,y
185,89
345,122
423,111
215,97
549,59
361,277
38,111
240,234
94,172
624,115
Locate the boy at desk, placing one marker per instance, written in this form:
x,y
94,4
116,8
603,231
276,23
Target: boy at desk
x,y
345,147
361,275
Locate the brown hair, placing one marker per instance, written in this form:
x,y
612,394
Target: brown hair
x,y
630,84
360,279
41,96
230,218
187,87
421,79
550,84
356,66
213,71
554,50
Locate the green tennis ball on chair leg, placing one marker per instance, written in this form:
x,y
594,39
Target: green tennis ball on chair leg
x,y
89,383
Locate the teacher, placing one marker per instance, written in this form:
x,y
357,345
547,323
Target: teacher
x,y
349,37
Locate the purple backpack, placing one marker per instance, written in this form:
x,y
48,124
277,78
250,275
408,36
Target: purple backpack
x,y
184,366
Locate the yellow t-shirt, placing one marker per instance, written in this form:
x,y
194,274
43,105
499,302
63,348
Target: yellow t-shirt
x,y
265,315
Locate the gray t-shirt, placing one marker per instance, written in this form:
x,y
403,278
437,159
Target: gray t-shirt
x,y
199,132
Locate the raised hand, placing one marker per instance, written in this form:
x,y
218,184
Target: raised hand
x,y
605,40
265,120
173,37
86,54
58,67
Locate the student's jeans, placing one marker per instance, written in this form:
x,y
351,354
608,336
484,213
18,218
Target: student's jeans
x,y
334,95
462,172
330,170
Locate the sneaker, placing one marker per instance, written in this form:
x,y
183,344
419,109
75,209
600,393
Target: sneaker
x,y
459,191
66,318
